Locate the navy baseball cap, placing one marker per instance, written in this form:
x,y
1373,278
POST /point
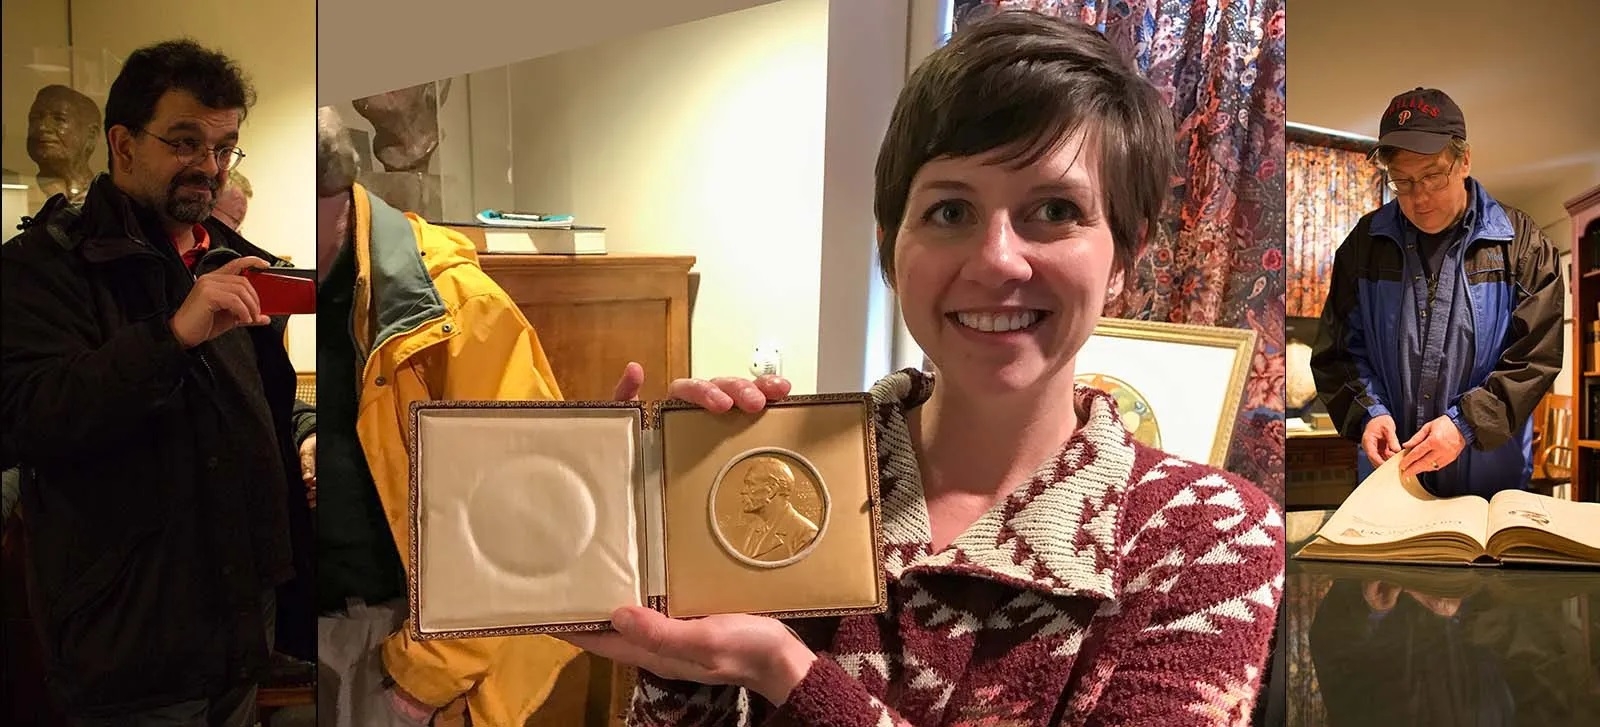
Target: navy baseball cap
x,y
1422,121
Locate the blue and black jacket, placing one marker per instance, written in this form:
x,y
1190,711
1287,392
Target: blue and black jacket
x,y
1483,353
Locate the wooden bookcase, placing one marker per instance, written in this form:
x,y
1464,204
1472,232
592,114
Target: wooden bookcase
x,y
1585,277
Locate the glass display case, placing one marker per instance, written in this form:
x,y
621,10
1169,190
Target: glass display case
x,y
414,148
53,109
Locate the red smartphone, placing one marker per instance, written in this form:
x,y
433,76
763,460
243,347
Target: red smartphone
x,y
285,291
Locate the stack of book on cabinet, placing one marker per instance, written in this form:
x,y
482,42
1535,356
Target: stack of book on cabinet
x,y
539,234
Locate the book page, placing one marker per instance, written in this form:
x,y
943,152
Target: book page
x,y
1575,521
1389,508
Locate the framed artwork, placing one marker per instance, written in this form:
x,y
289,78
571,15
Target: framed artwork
x,y
1177,386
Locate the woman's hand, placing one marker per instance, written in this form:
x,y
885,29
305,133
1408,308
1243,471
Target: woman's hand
x,y
755,652
718,395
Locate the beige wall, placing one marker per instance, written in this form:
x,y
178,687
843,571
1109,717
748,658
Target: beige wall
x,y
278,135
703,139
746,139
372,46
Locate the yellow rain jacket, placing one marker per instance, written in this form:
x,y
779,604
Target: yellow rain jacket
x,y
429,324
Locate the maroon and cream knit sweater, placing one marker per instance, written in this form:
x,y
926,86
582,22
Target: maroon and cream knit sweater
x,y
1117,586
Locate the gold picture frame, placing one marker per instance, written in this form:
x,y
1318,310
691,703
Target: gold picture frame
x,y
1155,369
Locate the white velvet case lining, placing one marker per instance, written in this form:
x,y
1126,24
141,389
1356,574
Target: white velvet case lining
x,y
645,469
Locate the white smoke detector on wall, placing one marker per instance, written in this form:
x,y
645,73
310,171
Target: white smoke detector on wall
x,y
766,361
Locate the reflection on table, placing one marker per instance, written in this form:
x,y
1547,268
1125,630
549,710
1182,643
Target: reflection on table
x,y
1408,645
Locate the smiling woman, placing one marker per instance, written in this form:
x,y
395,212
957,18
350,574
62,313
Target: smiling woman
x,y
1044,566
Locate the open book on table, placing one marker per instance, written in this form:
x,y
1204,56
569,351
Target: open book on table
x,y
1392,519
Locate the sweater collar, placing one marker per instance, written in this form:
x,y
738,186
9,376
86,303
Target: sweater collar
x,y
1057,533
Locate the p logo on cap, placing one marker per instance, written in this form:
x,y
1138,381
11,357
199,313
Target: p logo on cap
x,y
1422,120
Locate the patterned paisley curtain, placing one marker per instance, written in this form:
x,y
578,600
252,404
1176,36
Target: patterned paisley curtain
x,y
1219,259
1329,189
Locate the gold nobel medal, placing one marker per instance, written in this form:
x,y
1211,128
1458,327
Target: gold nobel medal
x,y
768,507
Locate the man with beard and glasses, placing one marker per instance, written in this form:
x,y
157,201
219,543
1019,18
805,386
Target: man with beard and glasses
x,y
151,406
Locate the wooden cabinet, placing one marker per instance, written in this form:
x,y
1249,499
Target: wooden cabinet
x,y
1319,470
595,313
1585,358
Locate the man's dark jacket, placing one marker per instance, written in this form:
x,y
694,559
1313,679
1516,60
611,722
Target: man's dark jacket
x,y
1483,352
156,477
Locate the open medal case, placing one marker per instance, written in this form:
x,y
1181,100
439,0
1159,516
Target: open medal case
x,y
546,516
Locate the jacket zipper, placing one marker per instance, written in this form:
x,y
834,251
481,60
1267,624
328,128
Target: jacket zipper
x,y
211,374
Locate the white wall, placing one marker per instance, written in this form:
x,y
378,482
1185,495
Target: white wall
x,y
702,139
747,140
278,135
869,48
372,46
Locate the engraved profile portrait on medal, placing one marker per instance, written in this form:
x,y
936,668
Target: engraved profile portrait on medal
x,y
768,507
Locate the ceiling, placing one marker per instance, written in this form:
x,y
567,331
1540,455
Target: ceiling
x,y
1526,76
372,46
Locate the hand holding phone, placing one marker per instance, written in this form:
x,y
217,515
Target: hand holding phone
x,y
284,291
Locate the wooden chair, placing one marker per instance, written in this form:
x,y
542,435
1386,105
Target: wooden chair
x,y
305,388
1552,443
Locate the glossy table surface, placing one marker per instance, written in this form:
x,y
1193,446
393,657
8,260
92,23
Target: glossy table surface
x,y
1437,646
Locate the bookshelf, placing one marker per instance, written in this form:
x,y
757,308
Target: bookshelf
x,y
1585,359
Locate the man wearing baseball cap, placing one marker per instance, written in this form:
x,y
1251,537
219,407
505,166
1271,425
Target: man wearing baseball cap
x,y
1442,327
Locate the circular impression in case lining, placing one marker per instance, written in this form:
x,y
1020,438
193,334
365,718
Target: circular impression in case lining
x,y
531,516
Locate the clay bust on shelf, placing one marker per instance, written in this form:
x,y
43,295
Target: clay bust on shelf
x,y
63,131
405,126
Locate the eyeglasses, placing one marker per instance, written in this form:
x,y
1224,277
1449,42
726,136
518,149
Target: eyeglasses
x,y
1428,182
190,152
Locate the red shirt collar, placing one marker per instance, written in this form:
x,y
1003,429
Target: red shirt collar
x,y
202,244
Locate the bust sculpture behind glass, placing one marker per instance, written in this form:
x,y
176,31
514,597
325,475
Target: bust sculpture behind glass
x,y
63,131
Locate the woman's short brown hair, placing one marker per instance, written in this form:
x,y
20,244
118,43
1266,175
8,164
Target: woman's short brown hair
x,y
1023,82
